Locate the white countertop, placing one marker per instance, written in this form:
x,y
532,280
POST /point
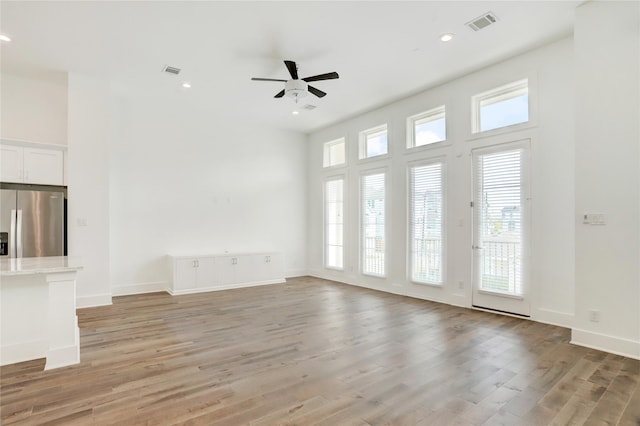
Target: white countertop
x,y
38,265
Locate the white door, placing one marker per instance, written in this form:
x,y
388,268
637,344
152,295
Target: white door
x,y
501,214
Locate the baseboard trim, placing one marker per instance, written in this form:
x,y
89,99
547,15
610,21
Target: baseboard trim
x,y
603,342
296,273
139,288
24,351
225,287
66,355
549,316
91,301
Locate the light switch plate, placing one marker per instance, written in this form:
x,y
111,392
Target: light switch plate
x,y
593,219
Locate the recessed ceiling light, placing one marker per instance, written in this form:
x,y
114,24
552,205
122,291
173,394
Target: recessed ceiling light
x,y
446,37
4,38
295,112
186,85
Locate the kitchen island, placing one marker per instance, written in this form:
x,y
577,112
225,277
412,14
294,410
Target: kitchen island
x,y
38,310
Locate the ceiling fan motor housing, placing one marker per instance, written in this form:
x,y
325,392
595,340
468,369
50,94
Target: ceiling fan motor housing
x,y
295,88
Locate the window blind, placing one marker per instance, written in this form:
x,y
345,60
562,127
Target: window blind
x,y
334,223
498,206
373,224
426,223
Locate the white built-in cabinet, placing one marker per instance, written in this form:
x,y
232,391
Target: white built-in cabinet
x,y
31,164
193,274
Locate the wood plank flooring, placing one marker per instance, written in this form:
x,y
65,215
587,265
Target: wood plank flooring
x,y
317,352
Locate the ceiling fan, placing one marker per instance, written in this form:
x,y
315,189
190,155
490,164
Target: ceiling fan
x,y
296,87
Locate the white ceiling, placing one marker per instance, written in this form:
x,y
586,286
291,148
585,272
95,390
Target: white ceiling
x,y
383,51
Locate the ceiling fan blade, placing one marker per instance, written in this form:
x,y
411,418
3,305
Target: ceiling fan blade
x,y
267,79
318,93
279,94
293,69
327,76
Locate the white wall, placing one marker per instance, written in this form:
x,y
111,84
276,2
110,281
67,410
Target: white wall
x,y
88,186
186,181
607,76
34,108
551,132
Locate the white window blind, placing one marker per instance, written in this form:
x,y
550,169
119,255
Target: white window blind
x,y
426,222
334,223
498,207
373,224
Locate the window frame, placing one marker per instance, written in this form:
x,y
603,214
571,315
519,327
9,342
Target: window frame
x,y
325,181
440,159
411,127
362,142
501,93
361,247
326,149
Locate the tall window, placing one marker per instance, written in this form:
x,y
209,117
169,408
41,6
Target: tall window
x,y
373,142
426,128
334,223
426,222
334,153
498,210
373,224
500,107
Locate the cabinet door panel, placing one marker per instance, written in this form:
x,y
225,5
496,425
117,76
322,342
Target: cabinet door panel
x,y
269,267
207,275
44,166
185,274
226,268
245,271
11,163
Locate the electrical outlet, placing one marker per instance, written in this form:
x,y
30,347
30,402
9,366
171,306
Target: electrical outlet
x,y
594,315
593,219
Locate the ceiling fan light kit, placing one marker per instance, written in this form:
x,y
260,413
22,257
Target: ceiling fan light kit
x,y
297,88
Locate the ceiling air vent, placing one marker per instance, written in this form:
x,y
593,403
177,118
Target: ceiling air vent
x,y
171,70
309,107
482,21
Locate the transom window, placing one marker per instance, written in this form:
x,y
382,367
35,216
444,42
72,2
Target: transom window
x,y
373,142
426,128
501,107
334,153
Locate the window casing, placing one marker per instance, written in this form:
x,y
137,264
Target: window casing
x,y
334,153
374,142
427,128
426,222
334,223
501,107
373,229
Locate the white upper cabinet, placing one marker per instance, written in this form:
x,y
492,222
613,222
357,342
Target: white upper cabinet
x,y
44,166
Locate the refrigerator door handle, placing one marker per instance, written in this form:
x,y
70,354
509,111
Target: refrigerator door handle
x,y
19,233
12,235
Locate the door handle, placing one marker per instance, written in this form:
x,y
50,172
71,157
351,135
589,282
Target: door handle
x,y
477,247
12,234
19,233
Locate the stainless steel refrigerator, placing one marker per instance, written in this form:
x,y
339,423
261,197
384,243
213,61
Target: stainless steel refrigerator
x,y
32,220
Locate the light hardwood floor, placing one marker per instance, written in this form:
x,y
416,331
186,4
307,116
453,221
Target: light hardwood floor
x,y
316,352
